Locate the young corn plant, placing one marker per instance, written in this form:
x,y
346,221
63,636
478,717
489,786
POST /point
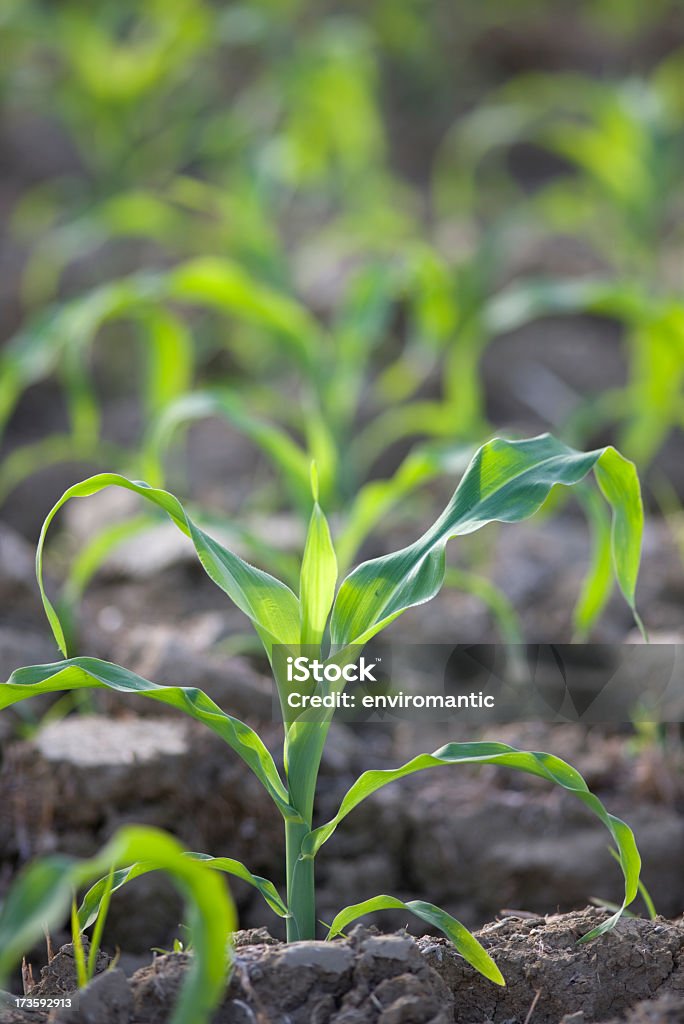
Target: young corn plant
x,y
43,892
507,482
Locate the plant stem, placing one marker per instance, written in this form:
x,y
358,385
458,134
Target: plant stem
x,y
301,898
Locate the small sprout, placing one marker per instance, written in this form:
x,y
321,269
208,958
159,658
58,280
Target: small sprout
x,y
82,975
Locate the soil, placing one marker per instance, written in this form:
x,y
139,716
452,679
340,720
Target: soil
x,y
370,978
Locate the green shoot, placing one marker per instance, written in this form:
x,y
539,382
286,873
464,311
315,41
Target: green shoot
x,y
44,891
96,939
82,975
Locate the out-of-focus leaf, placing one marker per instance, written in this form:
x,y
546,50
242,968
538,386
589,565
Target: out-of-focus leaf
x,y
43,892
227,287
284,453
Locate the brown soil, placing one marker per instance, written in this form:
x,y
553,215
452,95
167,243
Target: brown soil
x,y
634,974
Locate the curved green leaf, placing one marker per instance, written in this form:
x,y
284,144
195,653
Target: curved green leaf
x,y
272,607
378,498
284,453
89,910
545,766
466,943
598,583
224,285
238,870
55,341
506,481
43,893
90,673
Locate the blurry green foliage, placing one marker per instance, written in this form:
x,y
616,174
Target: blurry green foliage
x,y
245,158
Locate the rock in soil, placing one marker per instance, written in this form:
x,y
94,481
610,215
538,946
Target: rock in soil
x,y
632,975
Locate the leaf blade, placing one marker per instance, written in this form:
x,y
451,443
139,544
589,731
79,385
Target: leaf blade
x,y
94,899
466,943
317,579
270,604
507,481
545,766
91,673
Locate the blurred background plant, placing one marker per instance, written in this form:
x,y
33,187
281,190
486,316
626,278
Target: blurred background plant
x,y
325,226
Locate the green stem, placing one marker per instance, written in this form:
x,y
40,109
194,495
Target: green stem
x,y
301,899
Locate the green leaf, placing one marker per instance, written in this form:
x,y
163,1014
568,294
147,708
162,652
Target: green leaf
x,y
57,340
466,943
226,286
43,892
96,940
93,901
235,867
617,478
545,766
284,453
318,577
506,481
79,953
598,583
272,607
170,357
656,383
377,498
90,673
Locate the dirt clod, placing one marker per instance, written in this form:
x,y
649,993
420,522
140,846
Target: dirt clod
x,y
106,1000
59,976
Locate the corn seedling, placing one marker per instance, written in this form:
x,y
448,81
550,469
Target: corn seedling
x,y
506,481
44,891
